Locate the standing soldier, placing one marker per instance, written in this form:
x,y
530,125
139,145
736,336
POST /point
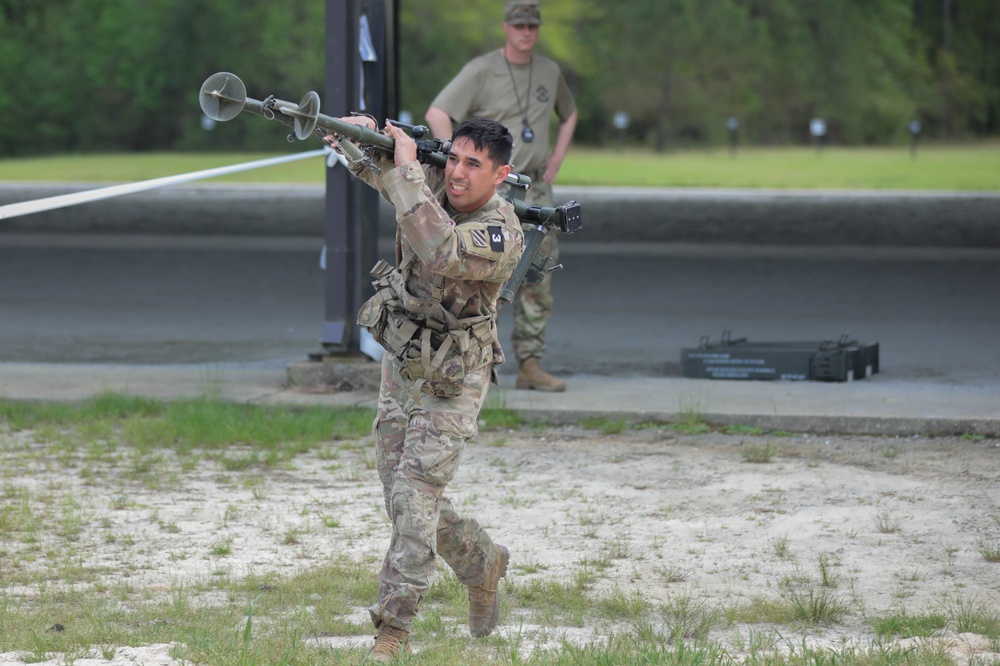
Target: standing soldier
x,y
521,89
457,242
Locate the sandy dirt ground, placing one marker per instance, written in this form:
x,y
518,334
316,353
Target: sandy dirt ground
x,y
882,526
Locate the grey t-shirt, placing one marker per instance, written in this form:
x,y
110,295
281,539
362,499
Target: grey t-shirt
x,y
485,88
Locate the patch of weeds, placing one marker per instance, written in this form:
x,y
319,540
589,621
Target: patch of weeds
x,y
827,577
692,407
815,606
741,429
329,520
106,406
890,451
761,610
590,516
430,623
328,453
691,425
970,615
551,600
170,528
231,513
950,551
909,626
499,418
990,552
756,453
277,431
887,523
143,465
449,591
513,501
689,618
258,488
239,463
755,641
617,548
222,548
973,437
622,606
598,565
292,537
875,653
780,546
285,430
121,502
608,426
672,574
528,568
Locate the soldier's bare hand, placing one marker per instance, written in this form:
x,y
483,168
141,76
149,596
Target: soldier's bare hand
x,y
334,141
406,147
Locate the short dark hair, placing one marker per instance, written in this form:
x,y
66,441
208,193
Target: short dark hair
x,y
488,134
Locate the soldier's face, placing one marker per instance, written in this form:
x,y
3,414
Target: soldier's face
x,y
521,37
470,178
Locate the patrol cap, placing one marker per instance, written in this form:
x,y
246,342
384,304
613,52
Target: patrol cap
x,y
522,12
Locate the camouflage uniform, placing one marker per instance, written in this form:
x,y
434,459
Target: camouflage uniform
x,y
420,437
484,88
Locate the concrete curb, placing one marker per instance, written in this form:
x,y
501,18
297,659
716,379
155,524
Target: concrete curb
x,y
869,407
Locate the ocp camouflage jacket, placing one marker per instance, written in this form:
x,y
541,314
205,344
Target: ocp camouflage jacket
x,y
468,255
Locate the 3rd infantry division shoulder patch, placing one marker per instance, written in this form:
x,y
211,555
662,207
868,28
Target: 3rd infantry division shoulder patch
x,y
479,238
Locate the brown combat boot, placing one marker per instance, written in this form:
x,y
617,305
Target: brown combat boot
x,y
389,644
484,602
531,376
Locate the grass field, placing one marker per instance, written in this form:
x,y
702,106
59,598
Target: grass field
x,y
965,168
225,534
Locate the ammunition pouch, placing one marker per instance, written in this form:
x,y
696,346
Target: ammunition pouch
x,y
429,344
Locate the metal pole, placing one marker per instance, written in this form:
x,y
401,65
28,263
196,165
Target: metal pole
x,y
378,78
351,218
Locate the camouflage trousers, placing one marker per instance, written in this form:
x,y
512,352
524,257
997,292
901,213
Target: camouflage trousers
x,y
533,302
419,443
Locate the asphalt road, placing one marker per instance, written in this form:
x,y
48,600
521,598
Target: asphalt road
x,y
621,310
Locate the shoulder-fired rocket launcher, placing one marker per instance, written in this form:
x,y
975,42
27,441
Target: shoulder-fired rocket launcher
x,y
223,96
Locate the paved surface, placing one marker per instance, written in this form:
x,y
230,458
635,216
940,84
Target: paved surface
x,y
610,214
174,316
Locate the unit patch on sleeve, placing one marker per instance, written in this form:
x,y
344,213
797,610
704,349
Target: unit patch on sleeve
x,y
479,237
496,238
482,240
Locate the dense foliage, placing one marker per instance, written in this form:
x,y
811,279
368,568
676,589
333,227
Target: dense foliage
x,y
101,75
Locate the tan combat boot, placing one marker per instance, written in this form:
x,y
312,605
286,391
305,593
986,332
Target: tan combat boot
x,y
532,376
390,644
484,602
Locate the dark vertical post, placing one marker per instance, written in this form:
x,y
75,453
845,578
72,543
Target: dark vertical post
x,y
379,80
351,219
342,217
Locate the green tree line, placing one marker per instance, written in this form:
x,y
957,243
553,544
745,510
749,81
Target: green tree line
x,y
123,75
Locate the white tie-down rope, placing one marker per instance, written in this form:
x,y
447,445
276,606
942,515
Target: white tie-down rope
x,y
65,200
368,344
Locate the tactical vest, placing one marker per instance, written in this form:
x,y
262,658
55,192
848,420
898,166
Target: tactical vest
x,y
430,345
